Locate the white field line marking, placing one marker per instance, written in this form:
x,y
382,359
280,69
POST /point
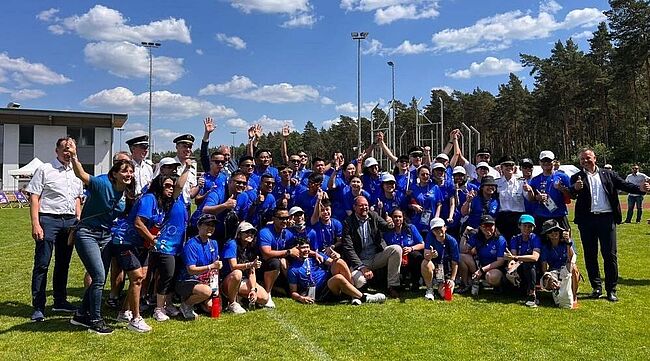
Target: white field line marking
x,y
315,350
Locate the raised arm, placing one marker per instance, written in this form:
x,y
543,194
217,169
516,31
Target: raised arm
x,y
382,144
71,148
208,127
178,188
283,149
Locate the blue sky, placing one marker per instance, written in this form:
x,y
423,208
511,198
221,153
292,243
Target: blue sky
x,y
272,62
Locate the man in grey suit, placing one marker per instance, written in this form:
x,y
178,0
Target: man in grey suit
x,y
365,250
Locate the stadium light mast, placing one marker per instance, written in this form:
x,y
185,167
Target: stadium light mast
x,y
150,46
358,36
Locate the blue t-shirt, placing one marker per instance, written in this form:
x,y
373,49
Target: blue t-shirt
x,y
231,250
308,272
269,170
214,181
146,207
398,201
447,251
277,241
280,191
556,257
307,202
254,181
102,196
403,182
322,235
197,253
480,207
462,197
256,215
337,197
406,238
488,251
323,186
525,248
372,185
172,234
213,197
545,184
428,196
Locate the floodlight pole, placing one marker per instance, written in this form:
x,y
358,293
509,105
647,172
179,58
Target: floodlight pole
x,y
149,46
358,36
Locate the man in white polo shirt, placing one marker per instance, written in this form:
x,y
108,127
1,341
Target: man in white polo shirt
x,y
55,207
184,145
142,170
637,178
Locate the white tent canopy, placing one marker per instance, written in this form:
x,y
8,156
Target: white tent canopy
x,y
27,170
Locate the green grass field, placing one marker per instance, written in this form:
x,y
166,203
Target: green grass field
x,y
490,328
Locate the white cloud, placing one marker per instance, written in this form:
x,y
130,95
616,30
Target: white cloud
x,y
25,72
273,125
164,103
374,48
56,29
199,51
104,24
549,6
242,87
237,84
326,101
300,21
328,123
25,94
232,41
583,35
445,88
407,48
238,123
389,11
350,108
489,66
498,32
347,108
127,60
162,137
47,15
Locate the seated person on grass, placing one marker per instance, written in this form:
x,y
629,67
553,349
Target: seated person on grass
x,y
524,249
441,257
310,281
488,246
558,252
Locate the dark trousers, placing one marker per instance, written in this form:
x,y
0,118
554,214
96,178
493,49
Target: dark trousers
x,y
594,229
632,201
415,262
528,273
508,224
55,239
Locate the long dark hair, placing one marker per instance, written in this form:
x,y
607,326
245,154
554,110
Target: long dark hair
x,y
129,191
157,188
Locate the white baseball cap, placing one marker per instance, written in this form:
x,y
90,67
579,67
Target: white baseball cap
x,y
387,177
370,162
168,161
482,164
295,210
546,154
442,156
436,223
438,165
459,169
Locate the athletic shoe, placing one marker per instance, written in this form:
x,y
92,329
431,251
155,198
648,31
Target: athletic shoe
x,y
356,302
113,302
376,298
393,292
125,316
270,303
531,301
64,306
235,308
80,320
188,312
99,327
429,294
138,325
160,315
38,316
172,310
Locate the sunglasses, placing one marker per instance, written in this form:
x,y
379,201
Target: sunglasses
x,y
240,183
269,183
168,185
286,218
218,161
295,160
248,165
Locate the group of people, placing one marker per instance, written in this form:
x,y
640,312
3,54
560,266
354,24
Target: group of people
x,y
314,230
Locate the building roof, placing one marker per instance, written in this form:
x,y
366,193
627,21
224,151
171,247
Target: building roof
x,y
61,117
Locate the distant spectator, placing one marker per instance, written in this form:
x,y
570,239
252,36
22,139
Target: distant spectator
x,y
633,200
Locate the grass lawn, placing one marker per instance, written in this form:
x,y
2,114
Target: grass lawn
x,y
490,328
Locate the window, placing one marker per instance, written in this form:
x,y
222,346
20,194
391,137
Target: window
x,y
83,136
26,134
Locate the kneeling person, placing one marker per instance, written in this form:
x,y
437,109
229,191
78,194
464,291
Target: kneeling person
x,y
442,255
309,280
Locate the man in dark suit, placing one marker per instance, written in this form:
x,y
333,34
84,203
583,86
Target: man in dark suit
x,y
364,249
597,212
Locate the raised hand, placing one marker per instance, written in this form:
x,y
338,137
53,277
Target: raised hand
x,y
578,184
251,132
379,137
286,131
258,130
231,202
208,125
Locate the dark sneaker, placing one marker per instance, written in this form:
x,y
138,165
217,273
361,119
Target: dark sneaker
x,y
596,293
99,327
611,296
38,316
531,301
80,320
113,302
393,292
64,306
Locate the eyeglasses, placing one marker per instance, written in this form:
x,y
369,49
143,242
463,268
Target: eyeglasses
x,y
240,183
248,165
218,161
168,185
285,218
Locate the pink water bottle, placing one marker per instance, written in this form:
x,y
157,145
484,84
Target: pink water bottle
x,y
448,292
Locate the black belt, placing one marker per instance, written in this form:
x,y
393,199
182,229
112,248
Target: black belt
x,y
600,213
60,216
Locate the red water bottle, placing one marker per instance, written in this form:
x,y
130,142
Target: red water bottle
x,y
405,260
215,311
448,292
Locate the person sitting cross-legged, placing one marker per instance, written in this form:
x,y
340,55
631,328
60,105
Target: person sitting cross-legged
x,y
310,280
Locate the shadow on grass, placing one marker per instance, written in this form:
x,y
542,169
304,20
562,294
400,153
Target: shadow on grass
x,y
633,282
55,323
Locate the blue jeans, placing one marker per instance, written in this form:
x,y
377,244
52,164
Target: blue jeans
x,y
55,239
634,200
89,244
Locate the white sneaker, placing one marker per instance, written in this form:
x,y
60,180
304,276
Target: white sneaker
x,y
188,312
160,315
429,294
236,308
376,298
269,303
172,310
356,302
124,316
138,325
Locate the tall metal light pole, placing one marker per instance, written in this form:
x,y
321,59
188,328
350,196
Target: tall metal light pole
x,y
392,103
442,125
149,46
358,37
232,150
120,130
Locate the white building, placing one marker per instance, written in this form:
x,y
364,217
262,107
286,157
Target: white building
x,y
29,133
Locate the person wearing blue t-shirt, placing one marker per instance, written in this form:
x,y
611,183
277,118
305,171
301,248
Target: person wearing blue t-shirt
x,y
318,167
247,167
213,177
550,191
297,223
307,198
445,182
241,261
425,199
524,250
481,203
558,252
338,187
286,187
409,238
310,281
371,179
262,202
198,278
462,189
107,198
225,205
488,246
441,256
350,193
275,242
326,236
389,198
263,161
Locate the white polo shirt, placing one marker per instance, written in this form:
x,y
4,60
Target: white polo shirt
x,y
637,179
57,187
191,179
599,201
511,194
143,174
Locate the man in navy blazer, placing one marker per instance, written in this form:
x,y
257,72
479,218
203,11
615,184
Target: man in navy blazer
x,y
597,212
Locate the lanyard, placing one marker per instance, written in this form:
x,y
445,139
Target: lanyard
x,y
310,279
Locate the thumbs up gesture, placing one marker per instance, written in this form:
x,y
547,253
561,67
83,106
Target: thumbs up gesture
x,y
578,184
